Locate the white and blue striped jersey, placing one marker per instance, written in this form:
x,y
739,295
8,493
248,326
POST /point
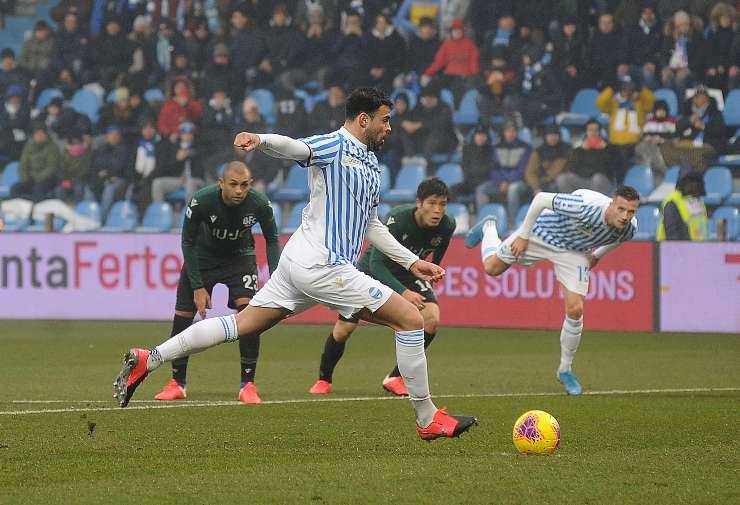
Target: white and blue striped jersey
x,y
344,178
577,223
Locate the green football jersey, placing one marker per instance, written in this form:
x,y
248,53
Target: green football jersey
x,y
215,233
421,241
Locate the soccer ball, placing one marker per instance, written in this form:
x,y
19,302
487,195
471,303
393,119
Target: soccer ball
x,y
536,432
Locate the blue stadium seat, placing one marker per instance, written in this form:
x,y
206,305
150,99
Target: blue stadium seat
x,y
732,216
447,97
647,222
39,224
13,222
450,173
498,210
158,218
525,135
583,108
407,181
277,214
265,104
732,109
154,95
641,178
468,114
520,215
46,96
90,210
86,102
177,196
565,135
718,185
8,178
295,187
671,175
410,94
459,213
385,178
669,96
383,210
294,219
123,216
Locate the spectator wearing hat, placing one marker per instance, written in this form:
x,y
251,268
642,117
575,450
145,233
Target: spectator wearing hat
x,y
458,61
76,162
503,38
10,72
14,122
328,115
219,75
199,44
185,171
181,106
393,147
111,170
702,133
423,45
217,123
309,11
626,108
62,121
477,162
497,96
348,51
385,53
112,55
144,71
152,154
591,164
70,46
510,158
722,28
65,81
643,44
169,40
37,50
429,129
320,36
659,128
285,44
81,8
684,54
683,215
181,68
39,166
122,114
604,52
247,46
567,55
545,165
539,92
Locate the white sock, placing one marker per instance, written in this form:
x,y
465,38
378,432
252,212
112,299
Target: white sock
x,y
491,242
412,363
570,337
198,337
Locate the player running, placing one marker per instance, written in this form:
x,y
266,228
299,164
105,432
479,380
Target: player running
x,y
318,262
573,231
425,229
218,247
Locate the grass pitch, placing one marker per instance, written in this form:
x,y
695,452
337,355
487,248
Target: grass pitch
x,y
661,424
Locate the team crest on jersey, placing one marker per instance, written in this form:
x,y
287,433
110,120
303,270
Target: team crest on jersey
x,y
193,202
391,220
436,241
249,220
213,219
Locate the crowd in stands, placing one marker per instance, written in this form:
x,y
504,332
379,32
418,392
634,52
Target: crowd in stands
x,y
172,82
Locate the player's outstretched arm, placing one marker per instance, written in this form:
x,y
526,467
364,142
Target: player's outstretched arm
x,y
540,202
379,236
277,146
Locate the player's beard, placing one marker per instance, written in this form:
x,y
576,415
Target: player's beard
x,y
376,145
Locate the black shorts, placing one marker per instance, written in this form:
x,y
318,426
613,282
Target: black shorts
x,y
239,276
424,288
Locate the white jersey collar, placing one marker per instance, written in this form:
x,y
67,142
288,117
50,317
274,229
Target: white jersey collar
x,y
344,131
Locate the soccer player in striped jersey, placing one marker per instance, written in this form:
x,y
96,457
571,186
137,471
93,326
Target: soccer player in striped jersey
x,y
317,265
573,231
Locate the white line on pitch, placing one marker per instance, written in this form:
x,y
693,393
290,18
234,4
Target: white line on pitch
x,y
196,403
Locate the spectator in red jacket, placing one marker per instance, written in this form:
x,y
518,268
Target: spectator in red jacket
x,y
458,60
182,106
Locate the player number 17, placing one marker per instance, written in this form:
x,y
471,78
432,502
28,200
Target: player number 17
x,y
582,274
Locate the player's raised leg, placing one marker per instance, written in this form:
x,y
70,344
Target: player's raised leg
x,y
570,338
333,352
406,320
137,363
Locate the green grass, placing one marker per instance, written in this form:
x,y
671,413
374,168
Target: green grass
x,y
660,447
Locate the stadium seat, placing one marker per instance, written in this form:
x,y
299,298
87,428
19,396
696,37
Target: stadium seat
x,y
734,198
565,135
410,94
582,109
385,178
450,173
90,210
671,175
669,96
447,97
641,178
154,95
8,178
13,222
718,185
498,210
520,215
177,196
265,104
295,187
294,219
46,96
39,224
467,114
732,109
123,216
86,102
158,218
383,210
407,181
459,213
732,217
525,135
647,222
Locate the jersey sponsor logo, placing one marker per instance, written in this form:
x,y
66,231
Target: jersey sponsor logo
x,y
436,241
249,220
213,219
375,293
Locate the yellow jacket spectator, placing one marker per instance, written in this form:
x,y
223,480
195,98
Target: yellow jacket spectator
x,y
626,110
